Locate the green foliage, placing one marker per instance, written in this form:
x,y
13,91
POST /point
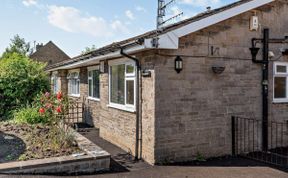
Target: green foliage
x,y
60,138
30,115
18,45
200,157
89,49
21,79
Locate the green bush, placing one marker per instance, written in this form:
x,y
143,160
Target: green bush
x,y
21,79
30,115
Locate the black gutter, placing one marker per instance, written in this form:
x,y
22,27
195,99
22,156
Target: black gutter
x,y
138,118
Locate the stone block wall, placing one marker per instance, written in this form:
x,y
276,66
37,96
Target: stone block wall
x,y
194,108
115,125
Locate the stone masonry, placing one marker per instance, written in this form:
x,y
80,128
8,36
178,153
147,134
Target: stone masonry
x,y
196,117
190,113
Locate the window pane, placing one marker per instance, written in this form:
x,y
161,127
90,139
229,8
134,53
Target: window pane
x,y
130,92
73,86
96,93
117,90
130,69
55,85
280,87
78,87
281,69
90,74
90,87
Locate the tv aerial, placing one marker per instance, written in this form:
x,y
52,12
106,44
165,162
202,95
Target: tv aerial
x,y
162,6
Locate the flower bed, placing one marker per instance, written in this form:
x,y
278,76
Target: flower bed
x,y
29,142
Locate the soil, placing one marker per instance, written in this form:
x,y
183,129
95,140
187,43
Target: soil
x,y
26,142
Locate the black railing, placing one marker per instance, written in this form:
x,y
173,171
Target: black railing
x,y
247,140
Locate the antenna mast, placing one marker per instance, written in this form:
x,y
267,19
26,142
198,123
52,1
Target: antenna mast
x,y
162,12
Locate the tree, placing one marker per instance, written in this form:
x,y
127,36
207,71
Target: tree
x,y
21,80
18,45
89,49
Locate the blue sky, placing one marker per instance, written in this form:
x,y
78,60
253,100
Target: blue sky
x,y
76,24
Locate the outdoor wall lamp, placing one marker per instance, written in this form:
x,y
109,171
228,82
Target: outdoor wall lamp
x,y
178,64
254,51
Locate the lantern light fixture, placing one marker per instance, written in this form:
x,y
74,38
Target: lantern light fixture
x,y
178,64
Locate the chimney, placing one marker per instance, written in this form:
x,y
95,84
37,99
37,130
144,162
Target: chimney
x,y
38,46
208,8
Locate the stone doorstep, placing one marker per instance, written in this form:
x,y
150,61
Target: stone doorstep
x,y
93,152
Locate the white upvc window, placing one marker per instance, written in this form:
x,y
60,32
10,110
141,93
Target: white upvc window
x,y
55,82
280,82
74,83
122,85
94,83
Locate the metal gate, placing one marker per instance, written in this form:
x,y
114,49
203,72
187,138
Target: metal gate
x,y
247,140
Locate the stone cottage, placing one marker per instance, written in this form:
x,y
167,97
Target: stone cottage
x,y
169,94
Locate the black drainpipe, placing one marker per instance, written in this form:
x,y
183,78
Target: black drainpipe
x,y
265,73
265,88
138,75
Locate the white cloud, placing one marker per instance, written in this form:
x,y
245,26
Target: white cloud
x,y
201,3
130,14
29,2
175,10
71,19
119,26
141,9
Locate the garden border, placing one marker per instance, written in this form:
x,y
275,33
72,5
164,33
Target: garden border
x,y
95,159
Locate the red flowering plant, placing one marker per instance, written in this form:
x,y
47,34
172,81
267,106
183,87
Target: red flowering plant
x,y
53,106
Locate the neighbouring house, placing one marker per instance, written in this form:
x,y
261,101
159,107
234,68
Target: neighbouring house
x,y
49,53
169,94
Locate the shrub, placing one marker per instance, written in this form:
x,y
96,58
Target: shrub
x,y
46,108
52,105
30,115
21,79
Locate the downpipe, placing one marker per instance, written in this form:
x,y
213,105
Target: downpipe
x,y
138,117
265,90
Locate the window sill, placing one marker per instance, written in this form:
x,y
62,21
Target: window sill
x,y
280,102
93,99
75,96
122,107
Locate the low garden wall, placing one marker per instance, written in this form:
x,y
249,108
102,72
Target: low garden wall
x,y
92,160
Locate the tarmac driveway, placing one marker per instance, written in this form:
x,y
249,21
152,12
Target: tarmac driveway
x,y
189,172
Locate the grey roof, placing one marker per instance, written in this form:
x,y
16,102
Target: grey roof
x,y
139,39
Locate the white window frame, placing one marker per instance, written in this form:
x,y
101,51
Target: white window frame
x,y
91,78
280,74
55,82
78,79
128,76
